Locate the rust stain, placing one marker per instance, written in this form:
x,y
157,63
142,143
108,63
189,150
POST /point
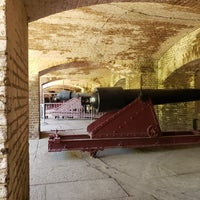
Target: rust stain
x,y
120,31
137,37
153,34
91,11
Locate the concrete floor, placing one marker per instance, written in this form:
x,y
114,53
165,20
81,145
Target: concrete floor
x,y
117,174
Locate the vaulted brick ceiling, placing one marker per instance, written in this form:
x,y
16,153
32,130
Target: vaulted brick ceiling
x,y
117,35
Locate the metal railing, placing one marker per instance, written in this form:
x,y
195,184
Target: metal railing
x,y
71,109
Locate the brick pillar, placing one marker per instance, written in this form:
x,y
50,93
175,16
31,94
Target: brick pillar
x,y
34,114
14,156
197,103
3,120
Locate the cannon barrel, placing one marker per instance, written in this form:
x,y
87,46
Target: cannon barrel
x,y
65,95
114,98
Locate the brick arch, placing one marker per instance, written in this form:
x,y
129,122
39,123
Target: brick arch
x,y
86,65
75,64
121,83
40,9
180,54
76,68
57,85
184,76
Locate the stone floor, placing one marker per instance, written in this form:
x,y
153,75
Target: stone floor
x,y
117,174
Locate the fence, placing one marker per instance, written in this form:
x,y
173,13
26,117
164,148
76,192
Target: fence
x,y
71,109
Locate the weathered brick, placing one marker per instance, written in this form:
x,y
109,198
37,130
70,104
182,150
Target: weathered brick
x,y
3,133
184,51
2,30
3,45
3,119
13,112
2,3
3,191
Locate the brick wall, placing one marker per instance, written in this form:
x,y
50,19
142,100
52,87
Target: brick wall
x,y
3,121
34,103
14,159
184,51
179,116
197,104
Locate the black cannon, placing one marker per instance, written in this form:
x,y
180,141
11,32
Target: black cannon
x,y
114,98
130,122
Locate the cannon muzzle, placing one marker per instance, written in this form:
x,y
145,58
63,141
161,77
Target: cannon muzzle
x,y
114,98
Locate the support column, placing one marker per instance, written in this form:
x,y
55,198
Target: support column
x,y
197,103
34,106
14,154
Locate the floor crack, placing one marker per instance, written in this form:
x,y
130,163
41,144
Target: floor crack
x,y
121,186
154,197
107,173
37,147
